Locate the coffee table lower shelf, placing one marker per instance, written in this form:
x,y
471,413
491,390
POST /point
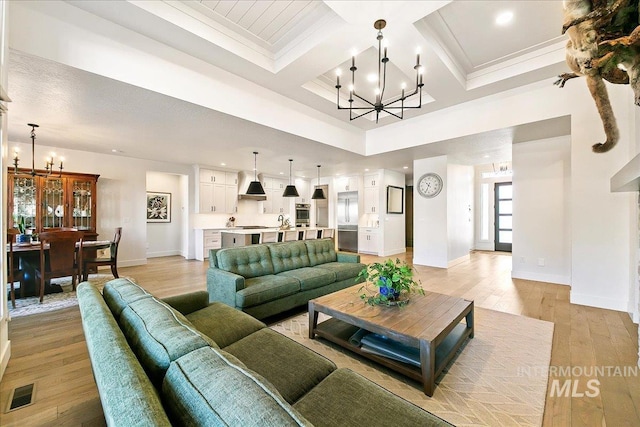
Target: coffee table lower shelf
x,y
339,332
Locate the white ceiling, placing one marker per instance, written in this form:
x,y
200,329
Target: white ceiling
x,y
293,48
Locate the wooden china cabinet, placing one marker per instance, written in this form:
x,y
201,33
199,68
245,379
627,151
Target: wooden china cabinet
x,y
66,199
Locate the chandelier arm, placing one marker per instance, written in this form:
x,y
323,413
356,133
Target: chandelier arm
x,y
363,114
393,114
384,80
362,99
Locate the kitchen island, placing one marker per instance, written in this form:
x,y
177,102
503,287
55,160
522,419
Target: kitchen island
x,y
207,239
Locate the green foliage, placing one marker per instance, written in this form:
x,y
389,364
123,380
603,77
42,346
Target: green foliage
x,y
392,275
21,225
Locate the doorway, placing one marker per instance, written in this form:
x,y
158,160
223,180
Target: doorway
x,y
503,216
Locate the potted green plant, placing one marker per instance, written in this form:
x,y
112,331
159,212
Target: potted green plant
x,y
22,237
394,280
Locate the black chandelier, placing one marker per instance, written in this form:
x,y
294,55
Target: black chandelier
x,y
379,105
48,169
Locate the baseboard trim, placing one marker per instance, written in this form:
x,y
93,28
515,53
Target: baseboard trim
x,y
439,263
6,355
457,261
541,277
598,301
394,252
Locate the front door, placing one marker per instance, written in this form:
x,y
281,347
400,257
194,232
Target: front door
x,y
503,217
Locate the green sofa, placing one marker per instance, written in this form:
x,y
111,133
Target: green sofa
x,y
183,361
263,280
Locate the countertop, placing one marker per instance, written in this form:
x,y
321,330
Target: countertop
x,y
260,230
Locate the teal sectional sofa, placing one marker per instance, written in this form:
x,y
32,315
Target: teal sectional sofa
x,y
183,361
264,280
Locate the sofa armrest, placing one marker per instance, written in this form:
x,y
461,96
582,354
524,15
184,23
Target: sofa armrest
x,y
188,303
223,285
213,259
348,257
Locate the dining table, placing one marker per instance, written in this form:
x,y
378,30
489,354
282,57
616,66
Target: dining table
x,y
26,256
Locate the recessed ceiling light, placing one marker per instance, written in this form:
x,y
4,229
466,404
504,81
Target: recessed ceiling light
x,y
366,170
281,173
114,150
504,18
223,164
372,78
486,156
405,167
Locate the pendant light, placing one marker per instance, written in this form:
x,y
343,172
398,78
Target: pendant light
x,y
318,194
290,190
254,186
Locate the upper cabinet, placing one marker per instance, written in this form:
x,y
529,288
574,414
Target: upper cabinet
x,y
347,183
57,200
273,188
372,180
218,191
304,190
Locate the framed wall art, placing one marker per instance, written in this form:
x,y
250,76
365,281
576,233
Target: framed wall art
x,y
158,207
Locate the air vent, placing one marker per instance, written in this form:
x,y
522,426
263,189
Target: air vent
x,y
21,397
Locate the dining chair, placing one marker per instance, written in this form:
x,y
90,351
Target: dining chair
x,y
268,236
111,261
290,235
60,256
310,234
14,273
328,233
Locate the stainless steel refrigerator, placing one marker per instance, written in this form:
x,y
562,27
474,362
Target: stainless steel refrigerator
x,y
348,221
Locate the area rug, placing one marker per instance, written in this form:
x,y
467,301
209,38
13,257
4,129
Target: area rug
x,y
66,298
484,385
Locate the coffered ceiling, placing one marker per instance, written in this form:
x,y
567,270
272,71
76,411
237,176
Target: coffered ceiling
x,y
293,49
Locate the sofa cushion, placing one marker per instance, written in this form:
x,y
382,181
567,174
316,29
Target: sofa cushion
x,y
288,256
294,371
345,398
118,293
311,277
158,335
127,396
223,324
321,251
343,270
249,261
264,289
204,388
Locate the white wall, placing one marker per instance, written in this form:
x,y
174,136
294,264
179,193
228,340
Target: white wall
x,y
121,200
541,210
430,245
5,344
393,224
165,239
459,196
602,223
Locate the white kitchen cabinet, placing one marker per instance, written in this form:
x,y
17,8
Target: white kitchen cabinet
x,y
372,180
212,198
304,191
368,240
231,198
205,241
218,191
347,183
372,200
212,176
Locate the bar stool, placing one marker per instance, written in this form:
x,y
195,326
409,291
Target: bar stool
x,y
290,235
268,236
328,233
310,234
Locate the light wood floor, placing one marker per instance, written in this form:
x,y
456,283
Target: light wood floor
x,y
49,349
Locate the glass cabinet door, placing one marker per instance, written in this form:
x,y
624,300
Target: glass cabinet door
x,y
24,201
82,204
53,202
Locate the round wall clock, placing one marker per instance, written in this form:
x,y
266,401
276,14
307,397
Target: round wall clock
x,y
430,185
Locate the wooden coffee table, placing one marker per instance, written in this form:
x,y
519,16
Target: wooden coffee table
x,y
431,322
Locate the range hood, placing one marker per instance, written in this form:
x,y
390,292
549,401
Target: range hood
x,y
244,178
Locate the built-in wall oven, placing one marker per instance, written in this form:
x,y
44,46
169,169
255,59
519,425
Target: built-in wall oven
x,y
302,214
